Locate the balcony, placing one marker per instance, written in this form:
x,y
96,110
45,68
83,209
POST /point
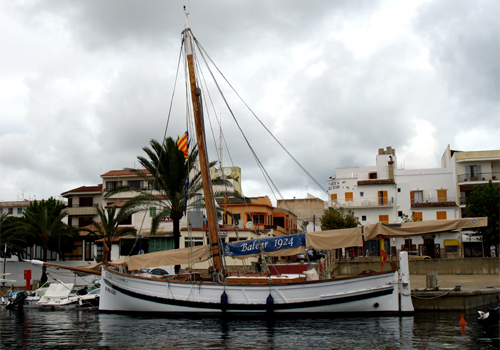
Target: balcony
x,y
373,202
467,178
277,230
435,203
87,211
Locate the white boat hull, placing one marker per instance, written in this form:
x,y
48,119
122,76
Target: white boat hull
x,y
375,294
73,302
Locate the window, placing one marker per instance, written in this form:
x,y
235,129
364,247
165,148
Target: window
x,y
99,251
361,194
417,216
255,218
348,196
77,253
408,246
235,239
400,213
131,247
192,242
382,197
473,172
441,215
82,222
111,185
372,176
127,221
135,183
10,210
442,195
416,196
86,201
70,202
333,196
89,248
363,217
19,211
258,218
451,245
383,218
158,244
399,190
152,212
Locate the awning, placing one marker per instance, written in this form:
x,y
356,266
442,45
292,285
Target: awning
x,y
421,227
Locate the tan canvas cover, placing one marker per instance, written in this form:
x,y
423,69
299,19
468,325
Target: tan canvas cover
x,y
335,239
167,257
422,227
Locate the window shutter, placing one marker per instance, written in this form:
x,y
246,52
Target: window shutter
x,y
383,218
384,196
442,195
441,215
412,197
348,196
417,216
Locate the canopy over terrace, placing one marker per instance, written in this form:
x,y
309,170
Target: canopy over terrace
x,y
421,227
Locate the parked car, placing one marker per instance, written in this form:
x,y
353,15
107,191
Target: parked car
x,y
419,257
154,272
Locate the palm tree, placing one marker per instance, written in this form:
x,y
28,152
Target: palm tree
x,y
170,171
43,221
108,228
11,237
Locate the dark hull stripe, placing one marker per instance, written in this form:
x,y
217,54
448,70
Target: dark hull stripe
x,y
253,307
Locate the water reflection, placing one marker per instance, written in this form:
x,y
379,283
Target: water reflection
x,y
74,329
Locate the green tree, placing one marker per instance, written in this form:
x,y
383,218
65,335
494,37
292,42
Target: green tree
x,y
42,220
108,228
485,201
407,218
170,170
334,219
11,236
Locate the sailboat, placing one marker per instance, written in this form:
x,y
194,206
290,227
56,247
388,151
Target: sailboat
x,y
381,293
217,293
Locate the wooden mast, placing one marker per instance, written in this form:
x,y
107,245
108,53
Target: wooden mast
x,y
204,164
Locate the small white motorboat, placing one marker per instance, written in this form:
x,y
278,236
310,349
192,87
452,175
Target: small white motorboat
x,y
63,297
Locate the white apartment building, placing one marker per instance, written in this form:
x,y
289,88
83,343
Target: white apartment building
x,y
14,208
472,168
383,193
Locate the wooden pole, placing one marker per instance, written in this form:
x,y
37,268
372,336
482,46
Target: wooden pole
x,y
204,164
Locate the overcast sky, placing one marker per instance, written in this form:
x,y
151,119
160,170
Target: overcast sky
x,y
85,84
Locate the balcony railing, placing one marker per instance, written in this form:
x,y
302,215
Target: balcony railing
x,y
82,211
479,177
435,202
364,202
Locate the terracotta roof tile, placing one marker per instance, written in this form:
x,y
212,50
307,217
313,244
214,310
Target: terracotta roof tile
x,y
97,188
123,172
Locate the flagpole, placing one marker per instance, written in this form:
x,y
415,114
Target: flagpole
x,y
381,254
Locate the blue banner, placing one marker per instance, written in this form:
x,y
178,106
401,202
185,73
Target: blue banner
x,y
270,244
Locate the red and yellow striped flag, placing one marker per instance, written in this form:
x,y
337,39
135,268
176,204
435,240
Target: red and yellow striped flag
x,y
182,144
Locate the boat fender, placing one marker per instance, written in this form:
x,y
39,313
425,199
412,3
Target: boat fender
x,y
269,303
224,302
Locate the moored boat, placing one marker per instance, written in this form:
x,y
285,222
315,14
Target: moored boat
x,y
61,296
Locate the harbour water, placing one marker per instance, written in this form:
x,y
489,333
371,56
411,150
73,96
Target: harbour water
x,y
34,329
